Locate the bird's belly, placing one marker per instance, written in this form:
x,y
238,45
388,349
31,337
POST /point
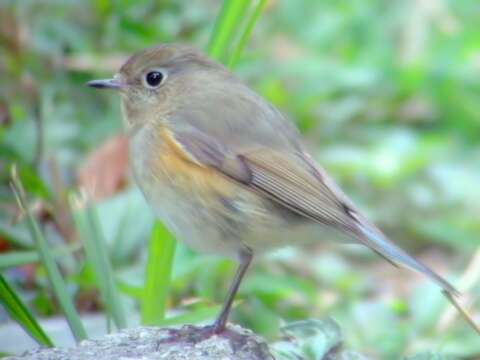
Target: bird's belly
x,y
215,224
223,229
187,198
192,221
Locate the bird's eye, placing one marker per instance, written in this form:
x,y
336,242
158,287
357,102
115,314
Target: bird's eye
x,y
154,78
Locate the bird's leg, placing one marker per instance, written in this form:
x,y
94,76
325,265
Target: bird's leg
x,y
245,260
193,334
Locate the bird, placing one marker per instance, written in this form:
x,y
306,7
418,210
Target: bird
x,y
226,171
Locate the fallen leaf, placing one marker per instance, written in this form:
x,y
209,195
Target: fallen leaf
x,y
104,171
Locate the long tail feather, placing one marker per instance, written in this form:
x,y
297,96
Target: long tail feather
x,y
377,242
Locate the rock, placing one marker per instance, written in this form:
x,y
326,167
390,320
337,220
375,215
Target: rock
x,y
150,343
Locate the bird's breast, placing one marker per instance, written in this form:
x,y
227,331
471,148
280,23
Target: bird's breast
x,y
167,162
192,200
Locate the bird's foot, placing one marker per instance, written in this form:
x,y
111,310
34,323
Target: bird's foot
x,y
191,334
194,334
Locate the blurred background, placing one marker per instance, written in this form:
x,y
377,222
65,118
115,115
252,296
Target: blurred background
x,y
386,95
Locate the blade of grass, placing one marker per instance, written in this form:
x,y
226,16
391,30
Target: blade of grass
x,y
15,235
118,313
135,292
246,33
86,221
231,14
193,316
53,273
20,313
18,258
88,239
157,275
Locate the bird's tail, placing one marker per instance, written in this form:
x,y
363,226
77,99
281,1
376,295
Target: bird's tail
x,y
374,239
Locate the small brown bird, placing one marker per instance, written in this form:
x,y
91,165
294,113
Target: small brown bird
x,y
225,170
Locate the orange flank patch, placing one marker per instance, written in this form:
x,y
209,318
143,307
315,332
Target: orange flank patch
x,y
184,171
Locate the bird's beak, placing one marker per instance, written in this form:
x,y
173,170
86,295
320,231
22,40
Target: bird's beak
x,y
114,83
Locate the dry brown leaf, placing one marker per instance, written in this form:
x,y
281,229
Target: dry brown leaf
x,y
104,171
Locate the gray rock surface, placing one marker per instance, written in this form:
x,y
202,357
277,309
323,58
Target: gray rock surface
x,y
149,343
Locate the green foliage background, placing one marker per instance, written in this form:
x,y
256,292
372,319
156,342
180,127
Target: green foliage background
x,y
386,94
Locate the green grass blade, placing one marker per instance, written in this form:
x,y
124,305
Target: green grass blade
x,y
18,258
231,14
20,313
53,273
95,246
132,291
157,275
15,235
193,316
118,313
246,33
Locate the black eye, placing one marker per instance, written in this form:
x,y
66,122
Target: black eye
x,y
154,78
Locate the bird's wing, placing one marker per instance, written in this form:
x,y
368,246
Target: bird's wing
x,y
296,182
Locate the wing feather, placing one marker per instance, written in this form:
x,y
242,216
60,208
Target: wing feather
x,y
285,179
